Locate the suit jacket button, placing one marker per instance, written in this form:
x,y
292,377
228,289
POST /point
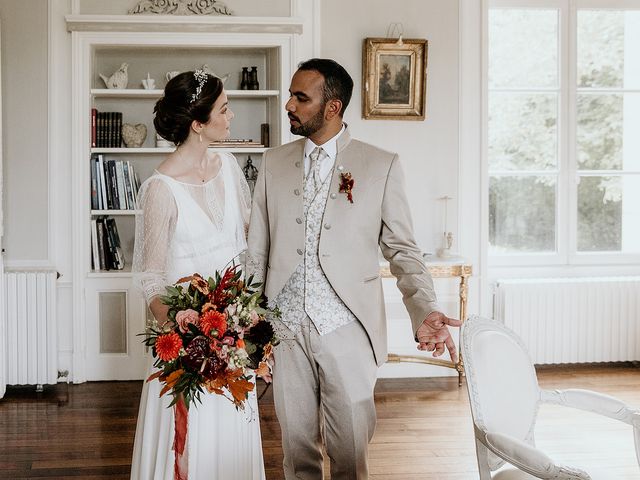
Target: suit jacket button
x,y
340,167
298,220
334,196
327,226
296,191
300,252
297,164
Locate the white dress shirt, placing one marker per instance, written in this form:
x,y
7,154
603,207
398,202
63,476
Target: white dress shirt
x,y
331,149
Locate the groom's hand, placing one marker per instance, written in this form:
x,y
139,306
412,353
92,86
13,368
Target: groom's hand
x,y
433,335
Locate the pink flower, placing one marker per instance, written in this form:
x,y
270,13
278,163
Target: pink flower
x,y
255,318
185,317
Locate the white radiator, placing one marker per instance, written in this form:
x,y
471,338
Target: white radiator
x,y
30,327
573,320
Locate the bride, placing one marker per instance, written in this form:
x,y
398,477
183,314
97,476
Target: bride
x,y
195,210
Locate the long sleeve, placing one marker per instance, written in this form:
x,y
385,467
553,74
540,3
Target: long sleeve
x,y
399,247
155,225
258,241
244,193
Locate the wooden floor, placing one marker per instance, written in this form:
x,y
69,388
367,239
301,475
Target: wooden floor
x,y
424,429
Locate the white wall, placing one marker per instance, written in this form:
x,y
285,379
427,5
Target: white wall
x,y
25,129
428,149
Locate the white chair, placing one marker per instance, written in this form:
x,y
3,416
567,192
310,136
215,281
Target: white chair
x,y
505,396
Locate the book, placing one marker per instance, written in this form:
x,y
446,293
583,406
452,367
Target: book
x,y
95,253
122,193
94,114
94,184
131,204
104,265
102,183
114,244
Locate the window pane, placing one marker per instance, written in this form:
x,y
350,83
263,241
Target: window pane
x,y
523,131
607,131
523,48
522,214
608,48
609,214
599,131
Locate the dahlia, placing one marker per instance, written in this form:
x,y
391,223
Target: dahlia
x,y
168,346
213,320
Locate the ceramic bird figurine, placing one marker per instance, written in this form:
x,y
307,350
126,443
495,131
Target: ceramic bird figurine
x,y
119,79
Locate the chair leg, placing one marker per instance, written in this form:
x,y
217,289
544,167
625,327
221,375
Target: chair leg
x,y
483,461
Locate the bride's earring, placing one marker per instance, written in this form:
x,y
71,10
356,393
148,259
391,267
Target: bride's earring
x,y
200,136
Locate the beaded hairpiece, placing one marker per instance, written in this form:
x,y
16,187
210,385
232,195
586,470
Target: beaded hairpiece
x,y
201,77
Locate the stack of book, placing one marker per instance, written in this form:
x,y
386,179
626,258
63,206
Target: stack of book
x,y
114,184
106,129
105,245
235,142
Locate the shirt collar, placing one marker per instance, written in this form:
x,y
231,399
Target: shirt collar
x,y
330,146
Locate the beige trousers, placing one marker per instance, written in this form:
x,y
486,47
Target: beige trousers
x,y
323,387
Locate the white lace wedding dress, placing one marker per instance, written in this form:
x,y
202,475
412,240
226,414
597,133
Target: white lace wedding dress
x,y
184,229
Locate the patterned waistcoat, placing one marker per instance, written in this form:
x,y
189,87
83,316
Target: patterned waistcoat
x,y
308,291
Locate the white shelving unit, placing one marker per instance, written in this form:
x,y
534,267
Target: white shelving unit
x,y
108,312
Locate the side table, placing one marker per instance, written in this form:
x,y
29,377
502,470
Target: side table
x,y
453,268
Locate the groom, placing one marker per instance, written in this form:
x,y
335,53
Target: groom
x,y
323,207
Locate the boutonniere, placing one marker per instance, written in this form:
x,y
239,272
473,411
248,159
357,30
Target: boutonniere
x,y
346,185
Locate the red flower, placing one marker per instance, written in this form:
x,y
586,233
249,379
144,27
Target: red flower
x,y
211,321
346,185
168,346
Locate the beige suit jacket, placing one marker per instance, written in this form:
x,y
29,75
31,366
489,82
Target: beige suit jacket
x,y
379,217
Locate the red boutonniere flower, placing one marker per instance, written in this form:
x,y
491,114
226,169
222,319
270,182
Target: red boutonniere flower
x,y
346,185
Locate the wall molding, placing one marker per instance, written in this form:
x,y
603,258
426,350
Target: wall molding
x,y
183,24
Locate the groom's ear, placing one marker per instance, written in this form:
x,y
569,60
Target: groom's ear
x,y
332,109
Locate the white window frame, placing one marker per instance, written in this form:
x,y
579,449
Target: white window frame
x,y
566,199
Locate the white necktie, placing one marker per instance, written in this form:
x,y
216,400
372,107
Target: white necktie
x,y
313,180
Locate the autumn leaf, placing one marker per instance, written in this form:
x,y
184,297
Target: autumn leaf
x,y
240,388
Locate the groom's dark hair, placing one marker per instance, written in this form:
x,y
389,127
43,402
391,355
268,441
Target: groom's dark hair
x,y
338,84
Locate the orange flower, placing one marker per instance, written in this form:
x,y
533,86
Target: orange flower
x,y
213,320
168,346
240,343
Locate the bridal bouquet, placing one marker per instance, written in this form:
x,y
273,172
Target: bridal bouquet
x,y
216,336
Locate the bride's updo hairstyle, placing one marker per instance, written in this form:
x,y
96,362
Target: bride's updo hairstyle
x,y
187,97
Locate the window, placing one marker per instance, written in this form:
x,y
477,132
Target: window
x,y
563,131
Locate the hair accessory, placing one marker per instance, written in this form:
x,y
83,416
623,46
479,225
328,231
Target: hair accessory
x,y
201,76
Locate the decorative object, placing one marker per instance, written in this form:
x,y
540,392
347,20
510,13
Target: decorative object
x,y
119,79
447,236
250,173
134,136
163,142
148,83
394,78
244,81
173,73
253,79
264,134
346,185
207,69
181,7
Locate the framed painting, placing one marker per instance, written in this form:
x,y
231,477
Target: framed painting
x,y
394,78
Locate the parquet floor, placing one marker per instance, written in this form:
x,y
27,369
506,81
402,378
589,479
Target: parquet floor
x,y
424,429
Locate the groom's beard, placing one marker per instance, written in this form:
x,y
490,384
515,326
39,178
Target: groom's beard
x,y
307,129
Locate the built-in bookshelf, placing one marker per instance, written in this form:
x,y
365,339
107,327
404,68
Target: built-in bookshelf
x,y
108,310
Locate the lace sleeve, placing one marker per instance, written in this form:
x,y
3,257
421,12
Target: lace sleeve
x,y
244,193
155,225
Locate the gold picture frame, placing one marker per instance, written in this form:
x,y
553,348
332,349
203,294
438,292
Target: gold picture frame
x,y
394,78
